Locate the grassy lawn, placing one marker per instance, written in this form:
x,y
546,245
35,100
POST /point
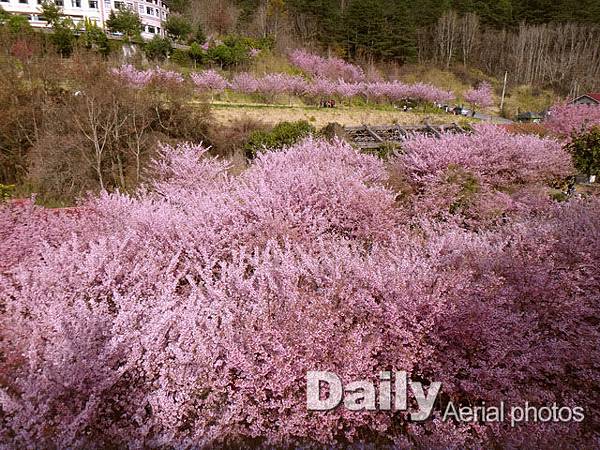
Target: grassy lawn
x,y
228,112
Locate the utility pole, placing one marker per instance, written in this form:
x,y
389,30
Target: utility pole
x,y
503,91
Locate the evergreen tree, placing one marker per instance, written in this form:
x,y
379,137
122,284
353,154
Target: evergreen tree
x,y
380,28
63,36
534,11
158,48
177,26
199,35
498,13
93,37
124,21
427,12
4,15
51,12
402,45
18,24
364,22
324,15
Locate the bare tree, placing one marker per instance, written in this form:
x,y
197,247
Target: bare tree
x,y
446,36
469,34
554,55
216,16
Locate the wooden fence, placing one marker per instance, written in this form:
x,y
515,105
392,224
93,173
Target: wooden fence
x,y
372,137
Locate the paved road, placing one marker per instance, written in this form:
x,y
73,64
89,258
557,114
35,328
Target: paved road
x,y
486,117
493,119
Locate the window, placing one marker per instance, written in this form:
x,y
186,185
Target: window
x,y
76,3
149,10
59,3
93,4
23,1
119,5
4,1
151,29
141,9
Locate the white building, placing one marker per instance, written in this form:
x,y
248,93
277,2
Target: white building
x,y
151,12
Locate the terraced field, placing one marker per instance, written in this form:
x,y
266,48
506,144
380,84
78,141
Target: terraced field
x,y
226,113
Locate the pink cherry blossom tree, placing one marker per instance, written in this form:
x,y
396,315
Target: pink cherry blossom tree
x,y
209,81
244,83
188,313
167,76
481,97
483,177
566,119
330,68
143,78
132,76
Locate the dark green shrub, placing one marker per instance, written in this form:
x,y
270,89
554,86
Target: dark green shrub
x,y
226,56
125,21
181,57
283,134
385,151
199,35
196,54
94,38
63,37
158,48
177,26
585,151
235,50
17,24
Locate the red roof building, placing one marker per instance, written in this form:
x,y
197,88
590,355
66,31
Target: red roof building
x,y
588,99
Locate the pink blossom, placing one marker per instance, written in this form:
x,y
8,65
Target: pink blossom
x,y
280,83
566,119
168,76
394,91
209,80
245,83
345,89
481,96
142,78
465,174
330,68
134,77
321,87
188,313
